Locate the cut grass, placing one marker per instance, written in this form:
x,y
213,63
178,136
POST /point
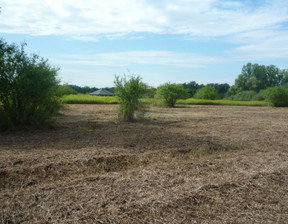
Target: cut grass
x,y
88,99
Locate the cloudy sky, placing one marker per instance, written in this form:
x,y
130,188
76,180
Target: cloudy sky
x,y
207,41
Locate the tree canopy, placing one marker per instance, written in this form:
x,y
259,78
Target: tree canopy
x,y
258,77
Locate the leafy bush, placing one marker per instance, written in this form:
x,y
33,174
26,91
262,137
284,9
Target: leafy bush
x,y
129,92
27,88
277,96
170,92
208,93
248,95
65,90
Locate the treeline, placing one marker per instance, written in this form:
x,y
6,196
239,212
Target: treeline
x,y
191,88
249,85
74,89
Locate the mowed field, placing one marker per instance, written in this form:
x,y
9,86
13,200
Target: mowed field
x,y
195,164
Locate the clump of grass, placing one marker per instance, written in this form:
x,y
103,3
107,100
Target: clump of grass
x,y
88,99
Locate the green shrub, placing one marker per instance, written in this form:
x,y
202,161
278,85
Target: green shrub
x,y
129,92
207,93
277,96
64,90
170,92
27,88
248,95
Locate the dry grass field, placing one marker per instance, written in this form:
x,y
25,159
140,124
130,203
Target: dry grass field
x,y
197,164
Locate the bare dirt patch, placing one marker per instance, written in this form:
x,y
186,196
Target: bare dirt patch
x,y
198,164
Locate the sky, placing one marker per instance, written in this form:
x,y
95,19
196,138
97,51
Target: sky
x,y
177,41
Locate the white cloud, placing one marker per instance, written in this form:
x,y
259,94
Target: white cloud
x,y
194,17
260,45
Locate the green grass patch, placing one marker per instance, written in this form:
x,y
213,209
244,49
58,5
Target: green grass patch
x,y
88,99
193,101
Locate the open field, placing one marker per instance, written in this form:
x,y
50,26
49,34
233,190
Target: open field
x,y
198,164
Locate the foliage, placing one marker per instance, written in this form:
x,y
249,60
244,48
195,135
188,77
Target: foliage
x,y
258,77
129,92
150,92
27,87
220,88
88,99
192,87
248,95
207,92
170,92
64,90
277,96
85,89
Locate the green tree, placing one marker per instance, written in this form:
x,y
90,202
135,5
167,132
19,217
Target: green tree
x,y
207,92
220,88
170,92
150,92
192,87
64,90
129,92
27,87
258,77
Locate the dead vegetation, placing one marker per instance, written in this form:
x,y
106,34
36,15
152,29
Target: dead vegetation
x,y
199,164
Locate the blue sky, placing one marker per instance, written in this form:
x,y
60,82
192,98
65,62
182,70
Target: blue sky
x,y
207,41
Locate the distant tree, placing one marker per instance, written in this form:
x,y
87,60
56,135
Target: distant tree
x,y
129,92
64,90
221,89
192,87
110,89
258,77
150,92
170,92
84,90
207,92
27,87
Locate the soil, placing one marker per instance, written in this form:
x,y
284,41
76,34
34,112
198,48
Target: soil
x,y
195,164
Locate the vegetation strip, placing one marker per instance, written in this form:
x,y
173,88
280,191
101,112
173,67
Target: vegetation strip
x,y
87,99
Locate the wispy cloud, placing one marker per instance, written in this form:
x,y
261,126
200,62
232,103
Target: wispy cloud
x,y
85,38
167,58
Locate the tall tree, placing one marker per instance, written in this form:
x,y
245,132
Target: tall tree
x,y
257,77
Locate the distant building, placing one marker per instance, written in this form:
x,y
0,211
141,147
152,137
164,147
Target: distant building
x,y
102,92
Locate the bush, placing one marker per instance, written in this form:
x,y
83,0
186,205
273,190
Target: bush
x,y
27,88
170,92
207,93
129,92
63,90
277,96
248,95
